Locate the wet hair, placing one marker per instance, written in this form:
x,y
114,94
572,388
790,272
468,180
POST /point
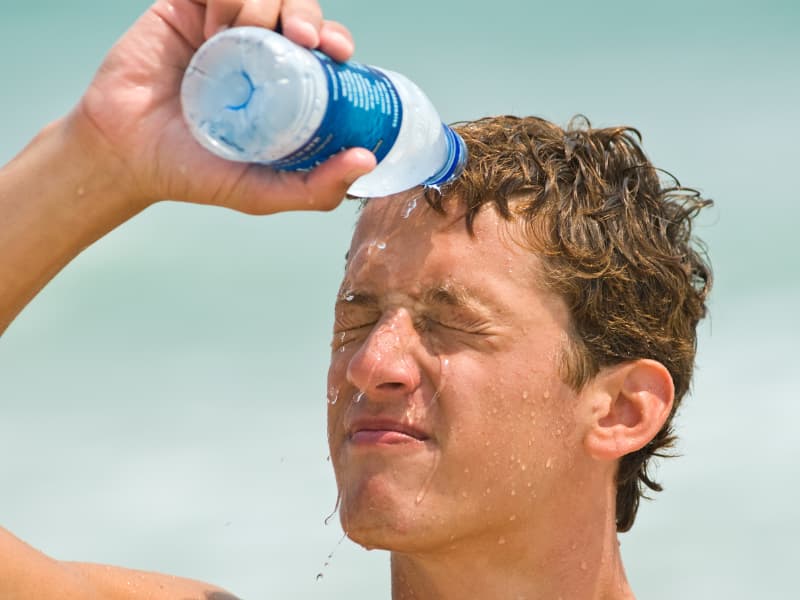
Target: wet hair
x,y
616,243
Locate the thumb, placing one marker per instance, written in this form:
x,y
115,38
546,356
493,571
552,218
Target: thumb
x,y
261,190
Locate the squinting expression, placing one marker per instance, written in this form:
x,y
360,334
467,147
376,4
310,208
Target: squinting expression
x,y
447,416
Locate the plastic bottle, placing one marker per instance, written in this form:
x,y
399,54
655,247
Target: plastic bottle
x,y
251,95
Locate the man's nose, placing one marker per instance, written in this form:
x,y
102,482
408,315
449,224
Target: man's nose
x,y
385,365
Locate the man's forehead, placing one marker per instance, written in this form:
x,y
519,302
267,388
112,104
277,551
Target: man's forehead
x,y
409,215
404,228
403,210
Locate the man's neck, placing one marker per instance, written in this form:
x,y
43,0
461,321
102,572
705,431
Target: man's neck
x,y
575,557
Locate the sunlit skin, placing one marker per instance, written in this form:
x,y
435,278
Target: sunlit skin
x,y
455,442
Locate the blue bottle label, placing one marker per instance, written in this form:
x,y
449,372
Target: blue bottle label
x,y
363,110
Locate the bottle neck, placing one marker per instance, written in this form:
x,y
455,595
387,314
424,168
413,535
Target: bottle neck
x,y
456,160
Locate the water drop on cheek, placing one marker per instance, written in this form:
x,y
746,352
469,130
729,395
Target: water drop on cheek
x,y
333,395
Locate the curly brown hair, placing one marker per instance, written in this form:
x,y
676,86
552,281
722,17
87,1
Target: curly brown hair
x,y
616,243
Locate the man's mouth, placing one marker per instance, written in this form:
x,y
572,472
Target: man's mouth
x,y
384,432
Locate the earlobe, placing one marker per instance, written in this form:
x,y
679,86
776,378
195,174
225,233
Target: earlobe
x,y
630,403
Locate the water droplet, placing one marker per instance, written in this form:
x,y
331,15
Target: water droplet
x,y
525,395
410,206
327,563
501,540
512,518
381,245
548,464
349,297
333,395
359,397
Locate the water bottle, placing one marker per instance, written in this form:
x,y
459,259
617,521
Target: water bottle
x,y
251,95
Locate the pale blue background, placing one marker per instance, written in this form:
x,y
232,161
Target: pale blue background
x,y
163,399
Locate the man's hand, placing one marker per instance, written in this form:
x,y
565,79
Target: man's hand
x,y
131,114
126,146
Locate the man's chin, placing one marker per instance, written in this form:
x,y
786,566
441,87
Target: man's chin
x,y
377,534
384,516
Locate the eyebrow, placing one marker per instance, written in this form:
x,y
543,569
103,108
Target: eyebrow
x,y
444,294
357,298
450,294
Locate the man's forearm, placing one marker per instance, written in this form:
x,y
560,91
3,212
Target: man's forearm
x,y
60,194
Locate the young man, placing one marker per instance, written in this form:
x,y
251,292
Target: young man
x,y
507,358
507,355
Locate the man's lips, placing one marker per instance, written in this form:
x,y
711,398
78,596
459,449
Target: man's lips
x,y
375,431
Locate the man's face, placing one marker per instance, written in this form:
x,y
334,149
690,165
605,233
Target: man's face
x,y
447,419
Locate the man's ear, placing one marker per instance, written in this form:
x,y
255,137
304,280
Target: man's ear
x,y
629,404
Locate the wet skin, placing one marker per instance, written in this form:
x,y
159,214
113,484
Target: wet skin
x,y
448,420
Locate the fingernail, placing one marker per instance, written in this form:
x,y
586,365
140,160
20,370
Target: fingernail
x,y
337,39
364,168
301,32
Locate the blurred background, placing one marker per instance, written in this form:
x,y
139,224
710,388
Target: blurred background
x,y
162,402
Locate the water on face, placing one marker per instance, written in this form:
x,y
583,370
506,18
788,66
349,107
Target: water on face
x,y
409,208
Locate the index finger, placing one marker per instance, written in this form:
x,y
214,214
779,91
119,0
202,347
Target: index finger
x,y
301,21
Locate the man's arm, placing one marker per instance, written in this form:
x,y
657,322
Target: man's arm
x,y
56,198
125,146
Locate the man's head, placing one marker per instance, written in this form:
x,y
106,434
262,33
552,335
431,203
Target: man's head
x,y
496,344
